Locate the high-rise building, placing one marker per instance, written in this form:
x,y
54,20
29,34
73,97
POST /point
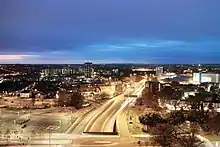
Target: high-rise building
x,y
206,77
88,69
153,87
159,71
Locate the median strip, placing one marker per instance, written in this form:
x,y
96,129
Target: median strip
x,y
78,120
97,115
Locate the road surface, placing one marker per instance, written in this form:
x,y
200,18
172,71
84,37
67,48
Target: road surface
x,y
103,118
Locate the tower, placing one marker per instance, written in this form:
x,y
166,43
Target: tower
x,y
159,71
88,69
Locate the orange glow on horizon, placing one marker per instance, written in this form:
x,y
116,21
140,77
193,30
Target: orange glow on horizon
x,y
13,57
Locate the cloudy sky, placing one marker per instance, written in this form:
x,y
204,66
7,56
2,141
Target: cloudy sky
x,y
110,31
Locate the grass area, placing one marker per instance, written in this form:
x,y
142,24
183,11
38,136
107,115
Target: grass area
x,y
136,111
212,138
134,126
132,115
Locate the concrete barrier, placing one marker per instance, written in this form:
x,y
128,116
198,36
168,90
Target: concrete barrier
x,y
101,133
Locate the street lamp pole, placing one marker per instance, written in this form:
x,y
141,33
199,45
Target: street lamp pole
x,y
49,136
71,117
1,112
60,126
14,124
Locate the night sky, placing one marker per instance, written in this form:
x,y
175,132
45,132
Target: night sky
x,y
110,31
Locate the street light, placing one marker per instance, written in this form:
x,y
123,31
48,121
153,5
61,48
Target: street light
x,y
71,116
60,126
49,136
14,123
1,112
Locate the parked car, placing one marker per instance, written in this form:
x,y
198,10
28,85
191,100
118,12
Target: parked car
x,y
24,126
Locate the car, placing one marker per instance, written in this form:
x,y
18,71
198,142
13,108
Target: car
x,y
26,107
24,126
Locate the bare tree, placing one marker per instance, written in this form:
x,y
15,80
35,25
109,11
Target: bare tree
x,y
214,124
77,100
187,138
167,135
176,117
164,135
61,98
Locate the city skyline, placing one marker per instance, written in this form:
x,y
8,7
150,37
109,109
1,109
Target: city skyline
x,y
109,32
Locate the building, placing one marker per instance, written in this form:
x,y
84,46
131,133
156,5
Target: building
x,y
159,71
51,72
115,72
55,71
25,94
88,69
45,72
205,77
118,87
1,79
141,71
64,97
181,79
187,94
153,87
66,71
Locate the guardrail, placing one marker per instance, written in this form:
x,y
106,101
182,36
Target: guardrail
x,y
101,133
130,95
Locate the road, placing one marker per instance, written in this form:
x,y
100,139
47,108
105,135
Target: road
x,y
101,119
64,140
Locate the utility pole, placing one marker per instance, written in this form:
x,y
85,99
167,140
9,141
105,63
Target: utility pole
x,y
60,126
49,136
1,112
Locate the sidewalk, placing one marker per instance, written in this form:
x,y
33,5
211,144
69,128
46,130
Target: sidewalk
x,y
216,144
207,143
122,125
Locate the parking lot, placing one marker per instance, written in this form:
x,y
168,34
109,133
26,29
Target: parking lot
x,y
41,121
